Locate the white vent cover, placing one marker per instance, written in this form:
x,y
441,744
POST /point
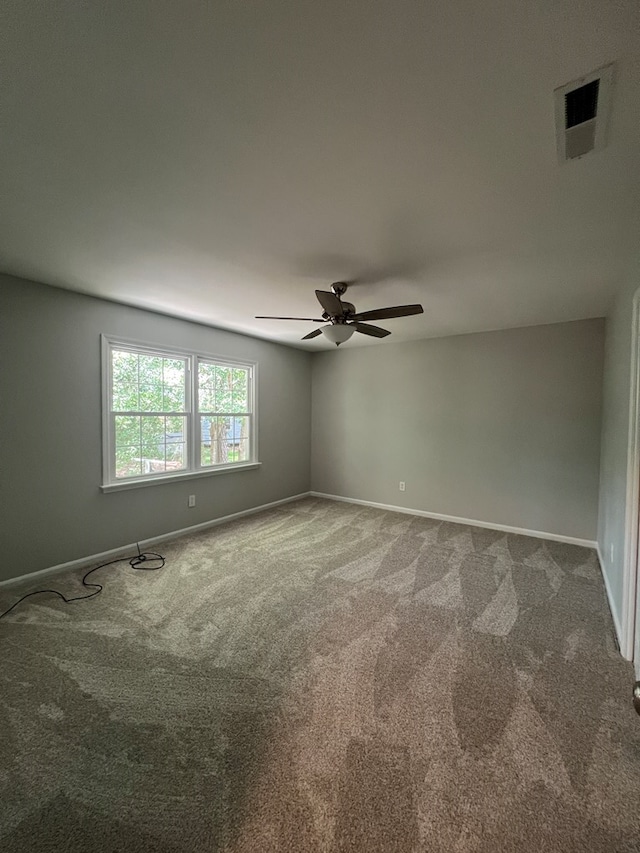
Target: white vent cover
x,y
582,114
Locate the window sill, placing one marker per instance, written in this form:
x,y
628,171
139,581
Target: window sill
x,y
173,478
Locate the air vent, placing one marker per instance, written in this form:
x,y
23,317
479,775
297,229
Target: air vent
x,y
582,114
581,104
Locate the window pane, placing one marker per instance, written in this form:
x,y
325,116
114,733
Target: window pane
x,y
153,432
240,390
242,450
124,367
205,441
206,375
169,455
224,440
150,369
176,457
128,463
125,397
152,460
124,372
219,452
206,399
175,428
205,430
127,430
238,440
224,389
206,387
174,371
241,428
173,399
219,446
151,398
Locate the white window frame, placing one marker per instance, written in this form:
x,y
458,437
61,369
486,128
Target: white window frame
x,y
191,413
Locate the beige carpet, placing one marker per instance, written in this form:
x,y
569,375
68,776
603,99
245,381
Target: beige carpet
x,y
323,677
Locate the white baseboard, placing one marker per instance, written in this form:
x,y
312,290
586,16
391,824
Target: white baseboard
x,y
521,531
223,520
626,653
132,548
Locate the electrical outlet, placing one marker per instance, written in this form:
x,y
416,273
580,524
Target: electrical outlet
x,y
402,485
192,500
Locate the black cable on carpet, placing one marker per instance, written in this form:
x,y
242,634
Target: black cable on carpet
x,y
138,562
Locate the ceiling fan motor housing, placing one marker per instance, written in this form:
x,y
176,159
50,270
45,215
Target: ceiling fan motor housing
x,y
349,309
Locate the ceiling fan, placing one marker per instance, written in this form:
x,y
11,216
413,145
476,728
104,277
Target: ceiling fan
x,y
343,320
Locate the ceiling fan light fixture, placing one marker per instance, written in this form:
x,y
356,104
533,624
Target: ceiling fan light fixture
x,y
338,333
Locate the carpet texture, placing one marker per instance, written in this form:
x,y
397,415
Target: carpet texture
x,y
323,677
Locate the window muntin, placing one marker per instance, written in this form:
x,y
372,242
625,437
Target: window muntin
x,y
169,413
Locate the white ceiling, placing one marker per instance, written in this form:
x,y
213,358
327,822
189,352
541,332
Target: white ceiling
x,y
216,160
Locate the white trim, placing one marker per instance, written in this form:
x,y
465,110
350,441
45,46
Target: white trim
x,y
521,531
214,522
105,379
122,485
153,540
611,601
183,351
632,498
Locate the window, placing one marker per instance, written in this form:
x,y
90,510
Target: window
x,y
224,413
170,413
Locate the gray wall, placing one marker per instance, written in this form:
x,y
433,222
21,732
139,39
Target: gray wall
x,y
501,427
50,429
615,437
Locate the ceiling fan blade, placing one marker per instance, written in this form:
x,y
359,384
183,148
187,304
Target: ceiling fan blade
x,y
313,334
306,319
374,331
330,303
389,313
